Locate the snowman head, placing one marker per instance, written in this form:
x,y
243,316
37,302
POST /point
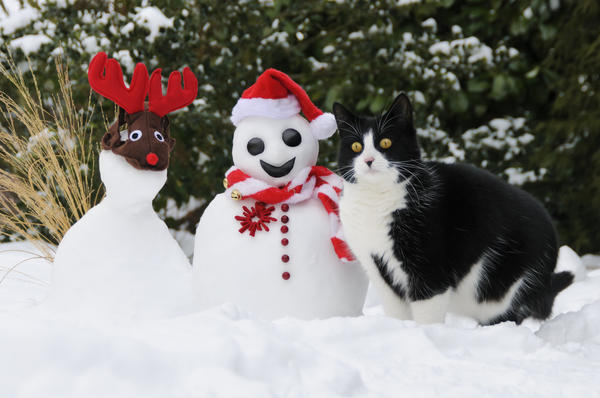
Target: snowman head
x,y
272,142
274,150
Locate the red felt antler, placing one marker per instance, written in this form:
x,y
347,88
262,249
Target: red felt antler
x,y
177,97
110,84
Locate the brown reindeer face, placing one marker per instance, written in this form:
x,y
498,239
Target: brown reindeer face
x,y
143,139
141,132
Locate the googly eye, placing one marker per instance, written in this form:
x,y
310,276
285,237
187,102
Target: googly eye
x,y
135,135
385,143
357,147
159,136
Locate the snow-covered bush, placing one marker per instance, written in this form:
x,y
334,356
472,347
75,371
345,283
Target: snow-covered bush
x,y
477,72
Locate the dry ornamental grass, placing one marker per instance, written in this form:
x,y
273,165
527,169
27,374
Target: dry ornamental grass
x,y
46,144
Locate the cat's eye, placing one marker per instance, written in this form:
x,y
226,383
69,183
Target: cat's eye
x,y
255,146
385,143
357,147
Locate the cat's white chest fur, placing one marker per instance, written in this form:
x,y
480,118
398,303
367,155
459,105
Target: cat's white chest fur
x,y
366,213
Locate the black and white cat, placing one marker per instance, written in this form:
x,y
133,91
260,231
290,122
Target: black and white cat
x,y
437,238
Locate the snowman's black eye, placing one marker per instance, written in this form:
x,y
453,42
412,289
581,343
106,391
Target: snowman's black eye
x,y
291,137
255,146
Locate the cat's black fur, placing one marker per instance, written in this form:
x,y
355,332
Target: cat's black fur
x,y
455,214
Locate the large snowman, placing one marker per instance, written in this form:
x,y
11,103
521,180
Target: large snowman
x,y
271,243
119,260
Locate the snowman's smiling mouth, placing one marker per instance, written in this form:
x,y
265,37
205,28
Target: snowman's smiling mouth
x,y
278,171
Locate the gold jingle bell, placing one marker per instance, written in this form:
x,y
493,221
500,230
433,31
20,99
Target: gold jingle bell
x,y
225,183
236,195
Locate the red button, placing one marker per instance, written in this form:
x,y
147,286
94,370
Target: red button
x,y
285,219
284,229
284,242
285,275
285,258
285,207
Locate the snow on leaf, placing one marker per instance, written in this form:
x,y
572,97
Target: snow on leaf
x,y
152,19
30,43
16,17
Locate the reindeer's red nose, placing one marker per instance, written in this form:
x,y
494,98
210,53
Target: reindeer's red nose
x,y
152,159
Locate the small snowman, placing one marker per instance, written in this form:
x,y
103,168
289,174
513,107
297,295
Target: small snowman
x,y
272,243
119,260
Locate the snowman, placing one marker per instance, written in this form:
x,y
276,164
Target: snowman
x,y
271,243
119,260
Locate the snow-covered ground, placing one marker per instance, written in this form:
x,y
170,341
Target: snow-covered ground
x,y
226,352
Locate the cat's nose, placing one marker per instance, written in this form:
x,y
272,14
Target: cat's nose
x,y
369,161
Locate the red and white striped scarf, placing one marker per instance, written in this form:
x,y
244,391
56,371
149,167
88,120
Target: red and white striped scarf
x,y
312,182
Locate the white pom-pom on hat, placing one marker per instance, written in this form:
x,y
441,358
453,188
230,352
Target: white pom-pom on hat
x,y
276,95
323,126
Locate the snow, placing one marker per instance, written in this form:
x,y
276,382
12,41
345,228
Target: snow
x,y
90,44
30,43
516,176
17,16
358,35
482,53
226,351
316,64
277,37
429,23
401,3
568,260
442,47
99,261
470,46
153,19
125,60
591,261
576,328
511,135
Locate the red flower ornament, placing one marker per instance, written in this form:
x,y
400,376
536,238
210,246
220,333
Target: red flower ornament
x,y
256,218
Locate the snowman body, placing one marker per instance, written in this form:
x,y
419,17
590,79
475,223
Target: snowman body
x,y
251,271
288,266
119,259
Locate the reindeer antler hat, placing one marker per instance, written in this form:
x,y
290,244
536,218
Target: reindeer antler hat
x,y
147,142
110,85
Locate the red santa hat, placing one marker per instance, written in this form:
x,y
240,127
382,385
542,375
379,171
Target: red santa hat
x,y
276,95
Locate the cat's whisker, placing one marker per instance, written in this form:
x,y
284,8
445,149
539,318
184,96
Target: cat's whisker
x,y
340,169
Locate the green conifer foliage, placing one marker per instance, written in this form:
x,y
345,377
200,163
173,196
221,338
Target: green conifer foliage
x,y
570,130
496,83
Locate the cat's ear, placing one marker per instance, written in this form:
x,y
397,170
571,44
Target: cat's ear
x,y
343,116
402,108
